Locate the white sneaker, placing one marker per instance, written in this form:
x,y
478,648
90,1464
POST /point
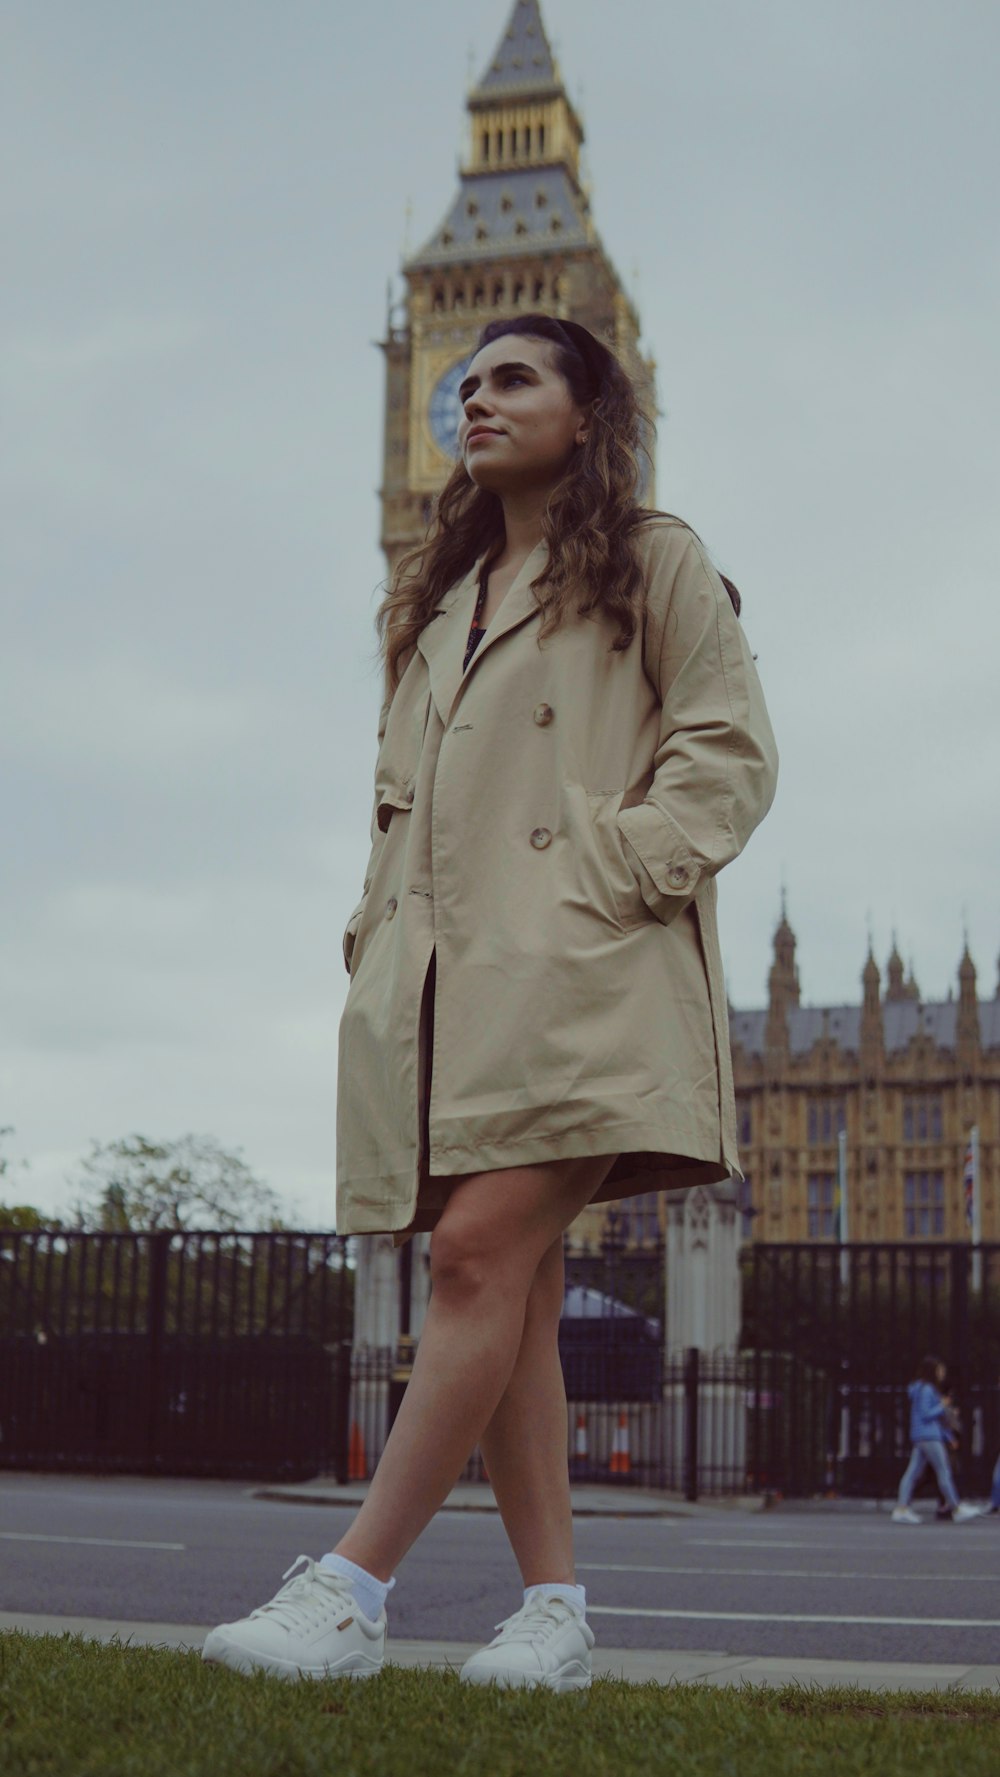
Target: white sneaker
x,y
903,1515
963,1513
545,1644
313,1627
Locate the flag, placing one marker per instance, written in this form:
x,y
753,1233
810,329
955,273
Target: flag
x,y
969,1182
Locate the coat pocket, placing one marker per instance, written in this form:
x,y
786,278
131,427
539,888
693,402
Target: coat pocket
x,y
395,799
626,895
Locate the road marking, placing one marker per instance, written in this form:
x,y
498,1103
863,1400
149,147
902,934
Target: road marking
x,y
781,1573
100,1542
718,1542
751,1616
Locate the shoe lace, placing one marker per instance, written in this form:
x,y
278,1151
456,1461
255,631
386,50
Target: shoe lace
x,y
304,1598
537,1616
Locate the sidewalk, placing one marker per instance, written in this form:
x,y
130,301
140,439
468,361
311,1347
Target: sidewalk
x,y
636,1666
591,1501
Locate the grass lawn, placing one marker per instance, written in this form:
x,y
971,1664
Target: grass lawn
x,y
76,1708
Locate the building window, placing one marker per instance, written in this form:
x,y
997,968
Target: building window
x,y
821,1190
540,200
541,138
825,1118
498,295
640,1219
923,1205
486,144
478,296
518,290
539,289
499,144
922,1119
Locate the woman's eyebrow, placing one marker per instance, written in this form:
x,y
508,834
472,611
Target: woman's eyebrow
x,y
472,382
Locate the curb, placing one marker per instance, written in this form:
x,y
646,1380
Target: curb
x,y
623,1503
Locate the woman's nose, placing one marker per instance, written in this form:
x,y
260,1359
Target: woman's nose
x,y
476,404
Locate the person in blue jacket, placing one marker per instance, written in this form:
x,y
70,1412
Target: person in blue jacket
x,y
929,1433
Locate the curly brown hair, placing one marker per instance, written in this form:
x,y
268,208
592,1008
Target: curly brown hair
x,y
589,521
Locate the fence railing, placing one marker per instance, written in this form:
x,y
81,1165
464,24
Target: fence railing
x,y
834,1336
230,1353
179,1353
687,1435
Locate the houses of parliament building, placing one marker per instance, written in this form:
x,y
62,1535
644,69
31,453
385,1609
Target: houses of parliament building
x,y
905,1079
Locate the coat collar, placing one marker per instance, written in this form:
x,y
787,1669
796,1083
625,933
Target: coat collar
x,y
443,641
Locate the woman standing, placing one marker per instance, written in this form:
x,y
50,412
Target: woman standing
x,y
930,1429
573,743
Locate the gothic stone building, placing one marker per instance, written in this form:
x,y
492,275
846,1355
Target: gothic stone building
x,y
906,1079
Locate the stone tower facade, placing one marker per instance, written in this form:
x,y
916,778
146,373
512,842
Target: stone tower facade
x,y
518,236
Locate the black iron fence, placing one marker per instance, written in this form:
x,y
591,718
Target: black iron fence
x,y
689,1437
175,1353
231,1354
834,1335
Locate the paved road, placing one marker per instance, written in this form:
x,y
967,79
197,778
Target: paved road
x,y
846,1585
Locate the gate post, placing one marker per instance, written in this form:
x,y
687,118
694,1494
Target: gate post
x,y
691,1363
156,1315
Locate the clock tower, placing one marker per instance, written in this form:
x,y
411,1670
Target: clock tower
x,y
518,237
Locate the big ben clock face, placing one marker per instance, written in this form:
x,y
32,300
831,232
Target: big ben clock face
x,y
445,409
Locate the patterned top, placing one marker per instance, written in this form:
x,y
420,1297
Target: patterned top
x,y
477,630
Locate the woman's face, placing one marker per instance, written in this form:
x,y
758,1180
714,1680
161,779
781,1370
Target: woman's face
x,y
520,424
941,1374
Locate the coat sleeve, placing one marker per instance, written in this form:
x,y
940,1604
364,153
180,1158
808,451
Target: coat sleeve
x,y
377,838
716,763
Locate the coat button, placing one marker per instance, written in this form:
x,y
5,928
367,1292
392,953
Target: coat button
x,y
677,876
408,796
390,907
540,838
544,714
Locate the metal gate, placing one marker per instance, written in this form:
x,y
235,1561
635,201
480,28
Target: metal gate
x,y
833,1335
211,1353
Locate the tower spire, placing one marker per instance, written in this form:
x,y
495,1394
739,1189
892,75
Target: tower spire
x,y
523,58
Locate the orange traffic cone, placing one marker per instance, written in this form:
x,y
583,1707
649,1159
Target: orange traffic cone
x,y
357,1467
620,1460
581,1449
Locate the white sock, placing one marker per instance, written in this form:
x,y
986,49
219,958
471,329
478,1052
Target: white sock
x,y
574,1596
369,1592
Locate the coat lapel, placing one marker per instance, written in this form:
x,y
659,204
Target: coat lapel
x,y
443,640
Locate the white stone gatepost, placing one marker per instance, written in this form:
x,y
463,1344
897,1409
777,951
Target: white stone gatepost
x,y
704,1313
703,1271
377,1313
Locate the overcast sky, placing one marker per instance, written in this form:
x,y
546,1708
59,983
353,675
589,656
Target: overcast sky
x,y
202,207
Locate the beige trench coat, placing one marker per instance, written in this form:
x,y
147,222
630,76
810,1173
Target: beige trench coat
x,y
549,825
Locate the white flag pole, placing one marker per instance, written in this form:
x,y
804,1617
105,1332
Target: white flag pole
x,y
844,1226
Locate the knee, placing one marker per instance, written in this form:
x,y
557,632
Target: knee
x,y
459,1266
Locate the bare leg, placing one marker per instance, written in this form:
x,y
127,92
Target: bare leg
x,y
485,1251
525,1444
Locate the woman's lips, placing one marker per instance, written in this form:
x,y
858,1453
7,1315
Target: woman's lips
x,y
481,432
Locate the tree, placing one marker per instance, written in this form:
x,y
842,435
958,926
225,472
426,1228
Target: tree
x,y
192,1182
19,1216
